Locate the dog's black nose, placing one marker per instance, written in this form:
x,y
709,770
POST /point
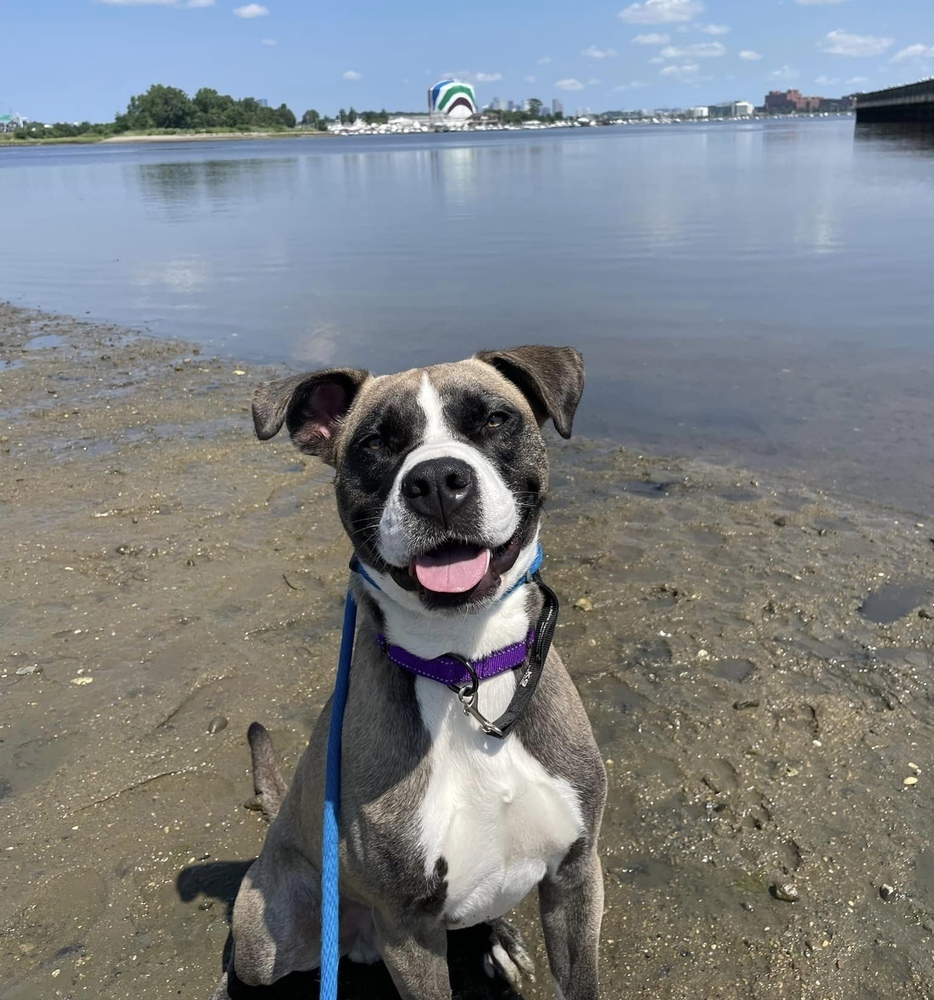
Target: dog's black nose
x,y
439,487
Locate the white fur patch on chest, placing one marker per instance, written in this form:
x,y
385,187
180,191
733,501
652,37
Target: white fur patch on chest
x,y
496,816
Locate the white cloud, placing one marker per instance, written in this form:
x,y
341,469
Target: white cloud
x,y
855,81
716,29
842,43
569,83
784,74
352,74
661,11
251,10
827,81
657,60
652,38
817,3
680,72
488,77
594,53
703,50
749,55
914,52
544,61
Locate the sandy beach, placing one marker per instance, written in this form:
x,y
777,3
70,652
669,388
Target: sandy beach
x,y
755,655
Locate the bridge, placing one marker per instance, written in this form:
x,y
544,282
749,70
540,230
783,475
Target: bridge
x,y
909,105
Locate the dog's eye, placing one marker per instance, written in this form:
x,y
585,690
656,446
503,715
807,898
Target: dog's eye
x,y
497,419
372,443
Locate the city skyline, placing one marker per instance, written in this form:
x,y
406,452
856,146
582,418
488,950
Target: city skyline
x,y
653,53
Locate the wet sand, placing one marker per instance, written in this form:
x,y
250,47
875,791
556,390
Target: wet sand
x,y
162,573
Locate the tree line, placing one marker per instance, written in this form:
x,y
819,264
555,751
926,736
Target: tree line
x,y
170,109
163,108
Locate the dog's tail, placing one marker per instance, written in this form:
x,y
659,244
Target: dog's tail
x,y
268,785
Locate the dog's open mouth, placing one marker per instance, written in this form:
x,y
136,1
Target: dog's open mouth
x,y
451,569
457,572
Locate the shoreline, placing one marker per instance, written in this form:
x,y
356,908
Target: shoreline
x,y
165,579
168,137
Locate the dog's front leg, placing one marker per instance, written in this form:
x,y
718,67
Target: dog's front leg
x,y
415,952
571,903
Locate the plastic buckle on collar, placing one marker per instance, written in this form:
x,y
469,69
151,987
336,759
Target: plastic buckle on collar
x,y
467,696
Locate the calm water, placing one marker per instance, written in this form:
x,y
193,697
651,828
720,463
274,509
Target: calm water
x,y
756,292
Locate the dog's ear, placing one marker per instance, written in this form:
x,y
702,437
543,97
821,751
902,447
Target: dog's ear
x,y
310,405
550,378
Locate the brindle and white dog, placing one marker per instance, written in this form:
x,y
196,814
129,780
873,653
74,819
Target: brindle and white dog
x,y
441,474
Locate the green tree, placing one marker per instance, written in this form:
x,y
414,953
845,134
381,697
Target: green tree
x,y
535,107
285,116
342,116
351,116
162,107
311,117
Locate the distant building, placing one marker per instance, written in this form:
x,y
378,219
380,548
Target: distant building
x,y
838,103
496,104
262,102
11,122
698,113
557,107
510,105
453,100
787,101
732,109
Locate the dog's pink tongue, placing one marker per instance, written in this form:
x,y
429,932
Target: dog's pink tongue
x,y
455,569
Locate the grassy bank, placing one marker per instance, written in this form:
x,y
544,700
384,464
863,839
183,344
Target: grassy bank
x,y
8,139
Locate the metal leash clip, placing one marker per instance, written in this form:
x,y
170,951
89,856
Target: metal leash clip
x,y
467,696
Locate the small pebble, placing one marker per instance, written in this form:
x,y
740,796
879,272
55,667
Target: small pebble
x,y
924,613
912,779
887,891
205,904
80,681
785,891
746,703
781,521
583,604
702,654
217,724
29,669
914,767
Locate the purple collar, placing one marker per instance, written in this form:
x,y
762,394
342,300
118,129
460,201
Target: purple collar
x,y
454,671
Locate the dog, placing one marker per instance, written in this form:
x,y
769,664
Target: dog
x,y
463,787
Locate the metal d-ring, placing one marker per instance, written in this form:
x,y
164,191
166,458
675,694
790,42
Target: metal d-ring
x,y
467,696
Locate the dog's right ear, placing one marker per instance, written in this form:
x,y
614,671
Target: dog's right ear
x,y
310,405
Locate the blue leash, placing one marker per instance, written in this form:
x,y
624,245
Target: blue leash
x,y
330,880
330,867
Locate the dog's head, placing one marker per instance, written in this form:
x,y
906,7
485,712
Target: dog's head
x,y
441,471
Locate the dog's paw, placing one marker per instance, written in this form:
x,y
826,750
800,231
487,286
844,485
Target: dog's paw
x,y
508,955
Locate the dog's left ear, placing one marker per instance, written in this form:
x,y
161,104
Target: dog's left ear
x,y
550,378
310,405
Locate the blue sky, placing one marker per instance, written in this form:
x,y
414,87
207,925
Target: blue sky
x,y
82,59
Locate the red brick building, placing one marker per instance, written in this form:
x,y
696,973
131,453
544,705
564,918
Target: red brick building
x,y
790,100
